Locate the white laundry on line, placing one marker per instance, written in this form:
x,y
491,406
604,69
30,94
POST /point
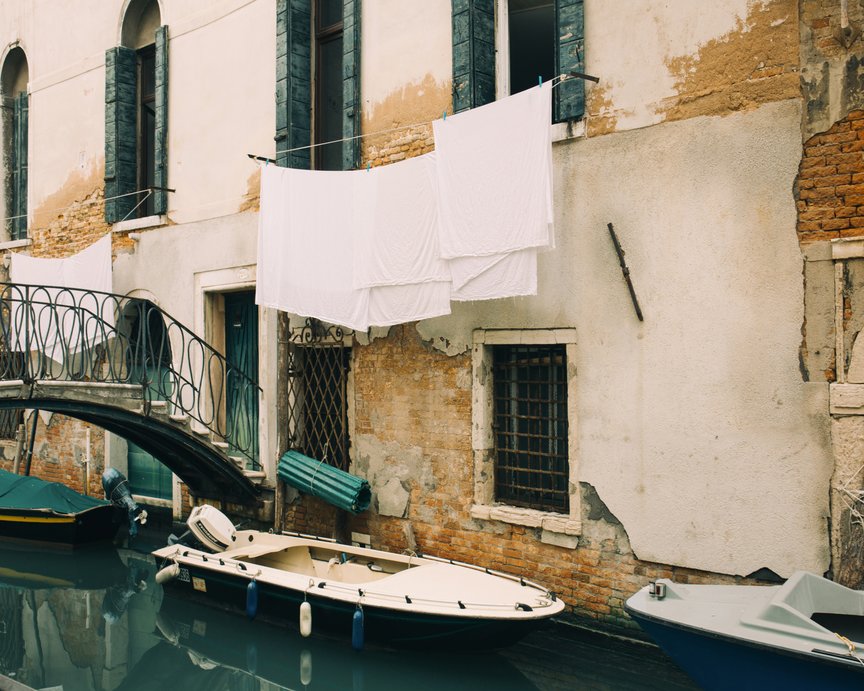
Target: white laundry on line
x,y
494,173
305,246
66,317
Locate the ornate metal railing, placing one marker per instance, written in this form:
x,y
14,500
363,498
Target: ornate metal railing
x,y
66,334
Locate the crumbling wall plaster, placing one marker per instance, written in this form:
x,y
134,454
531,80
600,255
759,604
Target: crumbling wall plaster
x,y
693,59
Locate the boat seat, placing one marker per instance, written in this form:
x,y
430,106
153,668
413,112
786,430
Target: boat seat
x,y
293,559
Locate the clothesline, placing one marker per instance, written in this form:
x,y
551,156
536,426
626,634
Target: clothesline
x,y
149,191
556,81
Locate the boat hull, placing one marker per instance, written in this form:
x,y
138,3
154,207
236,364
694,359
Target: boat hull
x,y
716,661
382,626
99,524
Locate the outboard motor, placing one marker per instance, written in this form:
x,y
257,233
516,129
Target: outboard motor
x,y
212,528
117,491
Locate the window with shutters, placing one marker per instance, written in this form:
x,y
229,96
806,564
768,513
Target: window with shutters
x,y
15,117
501,47
136,110
523,428
317,83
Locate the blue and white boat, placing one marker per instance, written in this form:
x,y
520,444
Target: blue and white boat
x,y
394,600
805,634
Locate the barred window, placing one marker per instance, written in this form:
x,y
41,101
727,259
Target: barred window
x,y
530,426
318,366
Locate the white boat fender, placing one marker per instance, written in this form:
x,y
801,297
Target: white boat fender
x,y
169,573
305,619
357,632
305,667
252,599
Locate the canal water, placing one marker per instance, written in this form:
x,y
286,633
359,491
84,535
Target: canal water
x,y
96,620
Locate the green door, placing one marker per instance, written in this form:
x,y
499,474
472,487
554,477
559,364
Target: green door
x,y
150,356
241,391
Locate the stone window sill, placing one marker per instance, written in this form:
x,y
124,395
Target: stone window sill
x,y
573,129
15,244
139,223
552,524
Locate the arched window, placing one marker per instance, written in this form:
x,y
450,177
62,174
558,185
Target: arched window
x,y
14,77
136,91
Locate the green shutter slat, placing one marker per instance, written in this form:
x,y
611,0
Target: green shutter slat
x,y
570,56
293,91
160,177
473,26
351,84
20,116
121,132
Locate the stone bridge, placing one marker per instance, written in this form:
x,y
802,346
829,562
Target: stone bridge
x,y
124,365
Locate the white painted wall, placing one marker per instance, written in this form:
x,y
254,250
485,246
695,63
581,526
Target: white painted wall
x,y
695,426
221,94
392,57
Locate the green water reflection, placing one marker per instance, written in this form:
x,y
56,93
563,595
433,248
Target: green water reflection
x,y
95,620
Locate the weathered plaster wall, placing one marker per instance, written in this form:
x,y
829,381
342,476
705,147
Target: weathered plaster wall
x,y
403,81
831,63
696,428
692,59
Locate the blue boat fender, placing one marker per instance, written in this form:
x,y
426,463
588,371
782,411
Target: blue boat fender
x,y
252,599
357,632
305,619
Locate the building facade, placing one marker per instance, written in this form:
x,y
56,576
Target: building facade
x,y
717,437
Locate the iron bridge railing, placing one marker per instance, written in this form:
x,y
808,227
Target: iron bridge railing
x,y
62,334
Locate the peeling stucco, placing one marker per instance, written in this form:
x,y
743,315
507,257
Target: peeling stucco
x,y
755,63
392,469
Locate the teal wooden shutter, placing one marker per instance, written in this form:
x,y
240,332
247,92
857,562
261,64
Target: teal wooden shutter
x,y
293,82
160,177
570,55
20,117
351,84
121,132
473,53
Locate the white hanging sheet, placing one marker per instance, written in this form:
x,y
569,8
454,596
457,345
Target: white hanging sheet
x,y
494,167
513,275
65,318
306,245
398,226
389,305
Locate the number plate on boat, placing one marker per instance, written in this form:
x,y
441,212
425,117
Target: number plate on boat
x,y
184,575
199,584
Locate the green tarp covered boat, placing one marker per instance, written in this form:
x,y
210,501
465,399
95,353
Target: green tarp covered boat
x,y
33,509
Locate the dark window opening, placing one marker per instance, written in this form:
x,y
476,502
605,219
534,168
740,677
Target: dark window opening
x,y
146,129
328,85
318,402
532,42
530,427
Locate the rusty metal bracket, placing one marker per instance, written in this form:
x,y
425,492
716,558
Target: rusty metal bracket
x,y
626,272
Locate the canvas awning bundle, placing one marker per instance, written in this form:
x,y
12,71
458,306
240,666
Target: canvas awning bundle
x,y
336,487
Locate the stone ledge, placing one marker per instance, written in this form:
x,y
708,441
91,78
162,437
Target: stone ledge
x,y
846,399
552,523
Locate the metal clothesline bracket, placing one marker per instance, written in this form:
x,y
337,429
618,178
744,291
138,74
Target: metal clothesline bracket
x,y
626,272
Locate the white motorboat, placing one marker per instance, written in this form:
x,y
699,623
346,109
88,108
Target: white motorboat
x,y
397,600
805,634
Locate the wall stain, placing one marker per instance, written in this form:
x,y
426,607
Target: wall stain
x,y
414,104
252,201
601,116
756,63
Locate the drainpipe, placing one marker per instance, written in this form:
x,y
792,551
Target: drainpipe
x,y
87,458
35,414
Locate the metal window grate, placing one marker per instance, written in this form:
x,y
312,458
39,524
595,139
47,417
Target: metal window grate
x,y
318,405
530,426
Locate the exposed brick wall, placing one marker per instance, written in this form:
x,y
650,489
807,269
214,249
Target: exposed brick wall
x,y
829,190
397,146
406,395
